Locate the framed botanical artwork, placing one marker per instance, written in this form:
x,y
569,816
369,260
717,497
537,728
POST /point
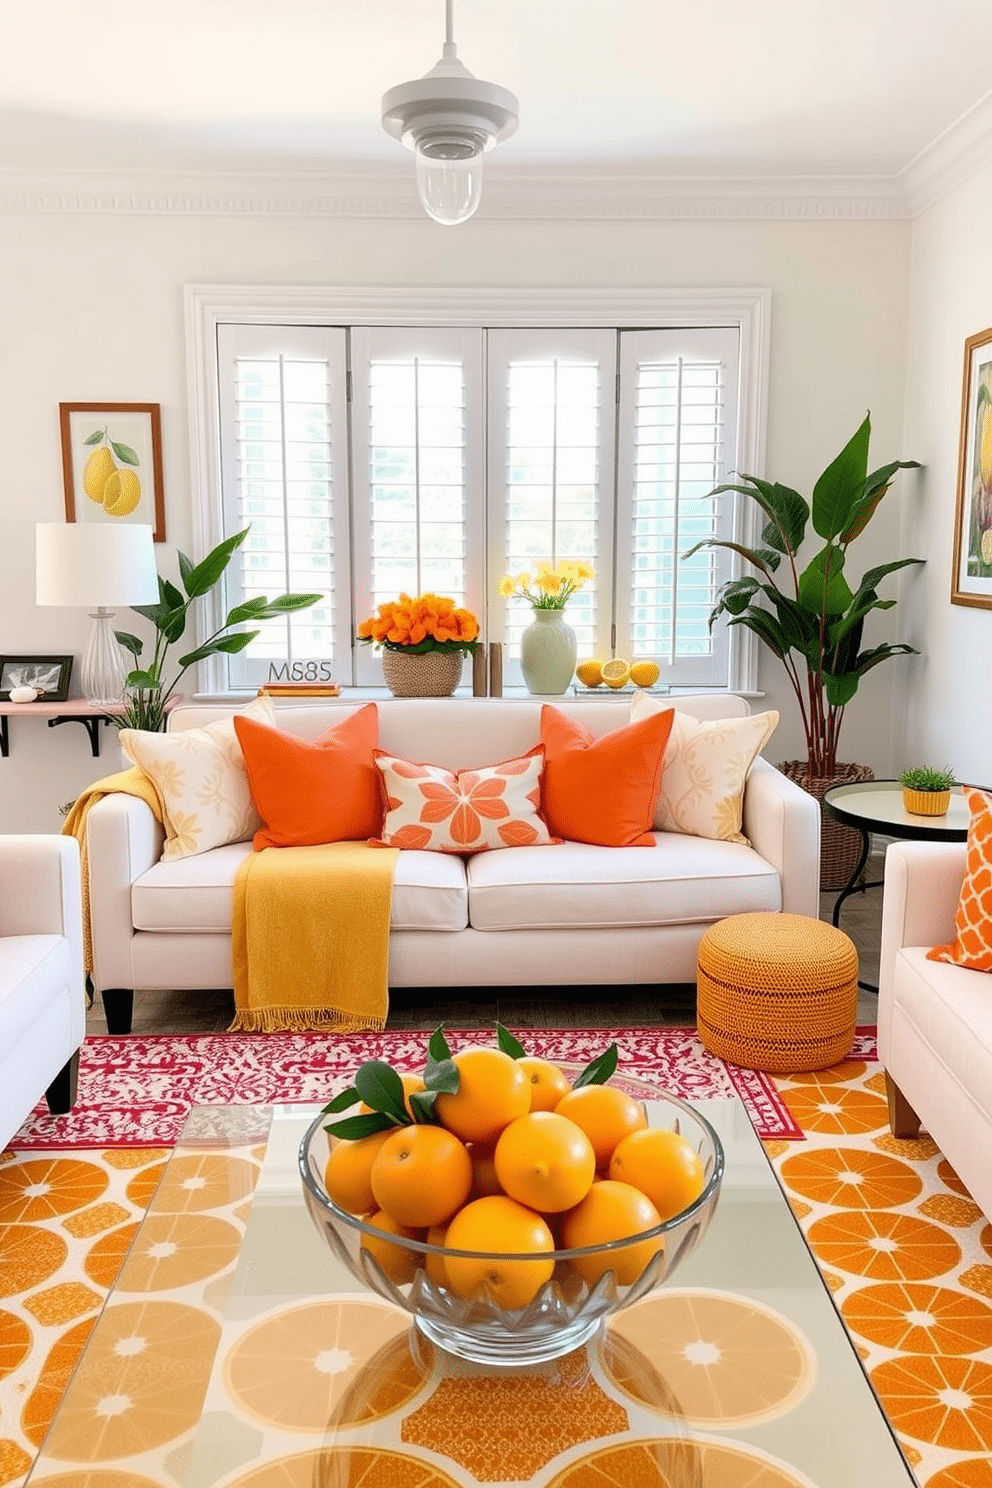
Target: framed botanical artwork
x,y
112,463
971,574
48,675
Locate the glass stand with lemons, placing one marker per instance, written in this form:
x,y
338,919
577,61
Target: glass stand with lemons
x,y
508,1203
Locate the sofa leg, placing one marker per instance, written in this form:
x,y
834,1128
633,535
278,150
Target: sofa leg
x,y
61,1094
903,1120
118,1007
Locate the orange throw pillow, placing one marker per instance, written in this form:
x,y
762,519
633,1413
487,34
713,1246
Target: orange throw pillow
x,y
972,945
603,790
309,793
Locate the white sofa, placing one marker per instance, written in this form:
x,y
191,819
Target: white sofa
x,y
526,916
42,997
934,1019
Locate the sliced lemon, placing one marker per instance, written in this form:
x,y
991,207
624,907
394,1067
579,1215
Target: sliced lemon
x,y
616,672
590,673
122,493
645,673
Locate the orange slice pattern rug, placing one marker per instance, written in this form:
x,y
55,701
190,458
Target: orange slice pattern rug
x,y
905,1252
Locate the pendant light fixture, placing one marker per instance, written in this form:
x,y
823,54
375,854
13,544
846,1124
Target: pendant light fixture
x,y
449,118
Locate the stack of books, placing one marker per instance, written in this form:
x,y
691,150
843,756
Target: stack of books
x,y
299,689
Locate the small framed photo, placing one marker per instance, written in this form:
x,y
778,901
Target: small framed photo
x,y
48,675
112,463
971,576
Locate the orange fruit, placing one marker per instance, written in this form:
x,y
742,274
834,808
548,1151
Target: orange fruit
x,y
399,1263
605,1114
347,1174
500,1225
492,1092
421,1175
484,1180
612,1211
411,1084
547,1082
663,1165
546,1161
434,1265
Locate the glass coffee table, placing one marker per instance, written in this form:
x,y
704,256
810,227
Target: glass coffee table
x,y
234,1351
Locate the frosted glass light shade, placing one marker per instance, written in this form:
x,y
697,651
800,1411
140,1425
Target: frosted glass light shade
x,y
87,564
449,177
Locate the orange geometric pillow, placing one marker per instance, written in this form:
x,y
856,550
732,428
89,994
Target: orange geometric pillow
x,y
972,946
464,811
603,790
311,793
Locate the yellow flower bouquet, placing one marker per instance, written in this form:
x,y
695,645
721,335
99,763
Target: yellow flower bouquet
x,y
428,622
549,587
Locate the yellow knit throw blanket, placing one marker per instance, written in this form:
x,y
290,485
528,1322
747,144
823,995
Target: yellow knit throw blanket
x,y
132,782
311,938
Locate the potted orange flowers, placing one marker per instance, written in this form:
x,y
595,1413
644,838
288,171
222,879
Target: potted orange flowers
x,y
424,640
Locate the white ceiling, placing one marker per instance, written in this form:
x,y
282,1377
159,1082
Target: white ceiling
x,y
699,88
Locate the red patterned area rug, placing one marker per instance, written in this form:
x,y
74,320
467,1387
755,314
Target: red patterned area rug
x,y
136,1091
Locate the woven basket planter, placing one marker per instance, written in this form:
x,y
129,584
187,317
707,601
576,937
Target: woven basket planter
x,y
840,845
433,674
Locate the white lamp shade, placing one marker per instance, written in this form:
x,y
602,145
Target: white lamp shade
x,y
92,563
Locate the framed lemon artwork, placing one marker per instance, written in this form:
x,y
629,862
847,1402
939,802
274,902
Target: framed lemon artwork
x,y
112,463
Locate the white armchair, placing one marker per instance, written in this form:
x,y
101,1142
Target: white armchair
x,y
934,1019
42,996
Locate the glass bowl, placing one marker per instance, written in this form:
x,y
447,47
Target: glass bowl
x,y
566,1311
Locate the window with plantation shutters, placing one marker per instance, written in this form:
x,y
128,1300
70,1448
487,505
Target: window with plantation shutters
x,y
677,417
284,475
374,459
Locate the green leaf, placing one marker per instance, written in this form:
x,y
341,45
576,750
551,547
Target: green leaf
x,y
142,680
750,555
422,1106
342,1102
509,1044
185,568
229,644
354,1127
247,611
598,1070
124,452
823,589
288,602
129,642
765,627
202,578
441,1076
98,437
380,1087
437,1047
842,485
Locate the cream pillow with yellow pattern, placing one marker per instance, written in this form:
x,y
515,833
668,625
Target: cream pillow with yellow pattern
x,y
201,780
705,770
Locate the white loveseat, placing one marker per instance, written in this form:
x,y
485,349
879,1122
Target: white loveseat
x,y
42,1000
934,1019
522,916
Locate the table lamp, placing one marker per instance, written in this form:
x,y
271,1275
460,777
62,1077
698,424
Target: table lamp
x,y
94,563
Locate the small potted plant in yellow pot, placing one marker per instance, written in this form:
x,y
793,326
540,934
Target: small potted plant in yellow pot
x,y
926,791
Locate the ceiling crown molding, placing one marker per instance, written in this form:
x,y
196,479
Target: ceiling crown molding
x,y
955,155
520,196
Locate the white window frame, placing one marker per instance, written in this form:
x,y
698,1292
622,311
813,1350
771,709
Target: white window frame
x,y
207,305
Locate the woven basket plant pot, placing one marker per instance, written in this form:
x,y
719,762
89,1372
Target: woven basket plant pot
x,y
840,845
433,674
926,803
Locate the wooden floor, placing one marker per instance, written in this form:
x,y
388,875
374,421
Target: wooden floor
x,y
517,1007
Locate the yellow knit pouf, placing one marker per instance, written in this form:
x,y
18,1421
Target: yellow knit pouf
x,y
777,992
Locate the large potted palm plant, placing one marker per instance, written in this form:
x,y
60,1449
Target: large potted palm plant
x,y
811,615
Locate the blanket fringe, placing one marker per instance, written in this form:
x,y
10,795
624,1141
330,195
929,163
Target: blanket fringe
x,y
302,1020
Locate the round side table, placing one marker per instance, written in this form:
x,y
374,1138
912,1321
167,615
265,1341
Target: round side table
x,y
876,806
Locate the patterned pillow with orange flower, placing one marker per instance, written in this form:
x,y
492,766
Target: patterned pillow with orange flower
x,y
463,811
972,944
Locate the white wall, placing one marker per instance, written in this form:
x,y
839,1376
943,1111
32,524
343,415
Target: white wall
x,y
946,717
91,309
